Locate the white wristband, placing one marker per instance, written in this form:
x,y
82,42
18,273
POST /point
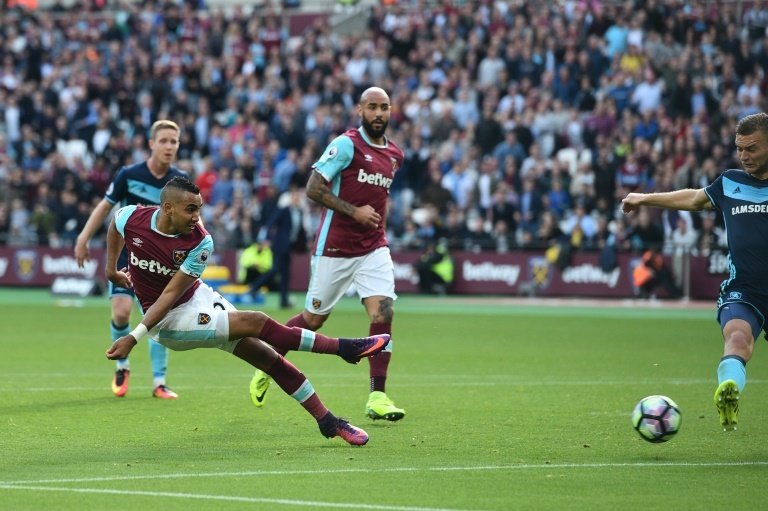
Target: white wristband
x,y
139,332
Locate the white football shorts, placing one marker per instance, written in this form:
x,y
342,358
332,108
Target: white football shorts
x,y
372,274
202,322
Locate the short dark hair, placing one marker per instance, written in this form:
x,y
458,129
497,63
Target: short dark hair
x,y
179,183
753,123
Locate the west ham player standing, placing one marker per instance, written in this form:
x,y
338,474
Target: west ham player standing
x,y
742,199
168,251
135,184
352,180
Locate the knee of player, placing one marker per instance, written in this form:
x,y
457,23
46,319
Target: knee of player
x,y
121,315
314,321
256,320
739,340
121,303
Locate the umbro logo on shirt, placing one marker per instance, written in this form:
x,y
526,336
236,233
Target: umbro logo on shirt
x,y
137,241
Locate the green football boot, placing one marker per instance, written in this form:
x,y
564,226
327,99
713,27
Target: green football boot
x,y
379,406
258,388
727,403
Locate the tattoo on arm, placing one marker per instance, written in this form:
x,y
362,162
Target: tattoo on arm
x,y
318,191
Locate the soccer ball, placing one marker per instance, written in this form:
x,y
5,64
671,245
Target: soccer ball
x,y
656,418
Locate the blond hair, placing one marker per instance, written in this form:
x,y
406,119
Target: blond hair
x,y
162,125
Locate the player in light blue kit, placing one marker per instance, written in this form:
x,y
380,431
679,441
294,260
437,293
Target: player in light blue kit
x,y
135,184
741,196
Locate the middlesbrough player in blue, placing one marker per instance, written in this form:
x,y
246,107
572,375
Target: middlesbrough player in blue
x,y
135,184
168,250
741,197
352,180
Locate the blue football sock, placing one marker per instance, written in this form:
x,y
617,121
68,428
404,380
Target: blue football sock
x,y
732,367
158,355
117,332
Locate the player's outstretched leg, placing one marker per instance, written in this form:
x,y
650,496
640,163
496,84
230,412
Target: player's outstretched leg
x,y
332,426
295,384
351,350
727,403
379,406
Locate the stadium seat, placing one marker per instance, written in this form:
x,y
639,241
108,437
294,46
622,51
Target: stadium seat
x,y
239,293
219,278
216,276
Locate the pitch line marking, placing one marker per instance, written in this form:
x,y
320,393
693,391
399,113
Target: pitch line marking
x,y
31,485
230,498
526,466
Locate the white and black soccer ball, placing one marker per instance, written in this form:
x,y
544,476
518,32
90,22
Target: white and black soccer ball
x,y
656,419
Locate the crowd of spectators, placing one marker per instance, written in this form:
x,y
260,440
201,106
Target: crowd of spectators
x,y
523,123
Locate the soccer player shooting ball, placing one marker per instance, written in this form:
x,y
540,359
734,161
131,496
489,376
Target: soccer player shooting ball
x,y
168,251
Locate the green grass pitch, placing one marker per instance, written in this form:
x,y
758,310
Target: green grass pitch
x,y
509,406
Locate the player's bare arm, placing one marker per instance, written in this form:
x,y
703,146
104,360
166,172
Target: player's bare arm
x,y
170,295
318,191
121,347
115,245
686,200
95,220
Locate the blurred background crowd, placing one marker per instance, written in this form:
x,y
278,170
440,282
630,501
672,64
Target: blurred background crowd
x,y
523,123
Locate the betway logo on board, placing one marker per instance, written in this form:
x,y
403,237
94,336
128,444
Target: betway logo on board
x,y
67,265
405,272
374,179
490,272
590,274
151,266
